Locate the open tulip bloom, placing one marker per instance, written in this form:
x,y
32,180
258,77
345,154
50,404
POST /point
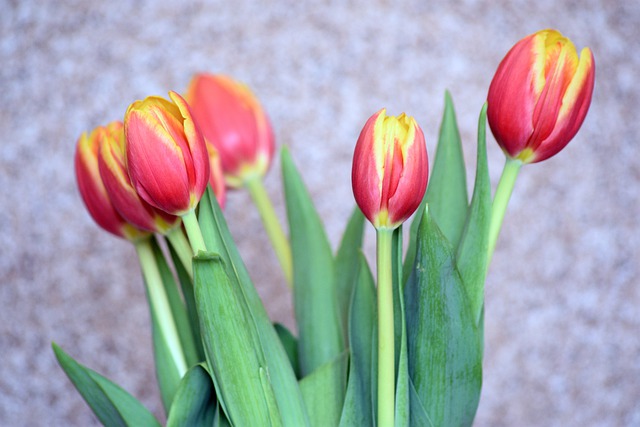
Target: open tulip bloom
x,y
403,349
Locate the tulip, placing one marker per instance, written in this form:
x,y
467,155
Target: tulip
x,y
166,154
111,163
390,169
233,120
92,189
540,95
235,124
389,178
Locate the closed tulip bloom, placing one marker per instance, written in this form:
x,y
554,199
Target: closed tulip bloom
x,y
233,120
390,169
540,95
111,163
92,189
166,154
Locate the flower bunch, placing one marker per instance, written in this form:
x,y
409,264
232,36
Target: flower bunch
x,y
407,351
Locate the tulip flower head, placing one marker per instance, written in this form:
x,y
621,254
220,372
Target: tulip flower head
x,y
114,174
92,189
540,95
166,154
233,120
390,169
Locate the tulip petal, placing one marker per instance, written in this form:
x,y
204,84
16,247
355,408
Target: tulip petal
x,y
573,110
157,169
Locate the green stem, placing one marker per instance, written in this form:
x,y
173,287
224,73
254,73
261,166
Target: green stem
x,y
194,233
278,239
386,346
160,304
180,244
501,200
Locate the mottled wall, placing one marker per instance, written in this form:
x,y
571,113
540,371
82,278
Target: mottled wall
x,y
562,310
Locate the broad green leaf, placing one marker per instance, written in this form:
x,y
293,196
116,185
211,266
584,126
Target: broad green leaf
x,y
402,363
290,344
447,191
194,403
346,265
186,284
357,410
323,391
178,308
445,362
314,286
473,249
231,344
419,417
110,403
283,380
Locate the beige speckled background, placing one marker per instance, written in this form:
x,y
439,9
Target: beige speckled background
x,y
563,293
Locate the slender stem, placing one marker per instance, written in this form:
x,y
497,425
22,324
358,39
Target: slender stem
x,y
194,233
386,346
278,239
501,200
160,304
180,244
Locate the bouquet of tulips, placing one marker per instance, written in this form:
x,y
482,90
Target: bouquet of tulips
x,y
402,349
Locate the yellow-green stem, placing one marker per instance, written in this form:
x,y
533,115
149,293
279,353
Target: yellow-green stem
x,y
160,304
194,233
386,345
274,230
501,200
180,244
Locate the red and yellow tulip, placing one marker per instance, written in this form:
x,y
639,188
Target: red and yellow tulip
x,y
233,120
166,154
390,169
92,189
540,95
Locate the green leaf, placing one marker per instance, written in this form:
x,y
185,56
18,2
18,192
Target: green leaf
x,y
401,363
194,403
445,362
323,391
473,249
290,344
283,380
178,308
447,191
231,344
166,371
110,403
419,417
314,286
186,284
357,410
346,266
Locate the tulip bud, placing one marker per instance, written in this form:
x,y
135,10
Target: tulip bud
x,y
390,169
540,96
166,154
92,189
111,163
233,120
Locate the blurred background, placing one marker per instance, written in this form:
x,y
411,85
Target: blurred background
x,y
563,292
